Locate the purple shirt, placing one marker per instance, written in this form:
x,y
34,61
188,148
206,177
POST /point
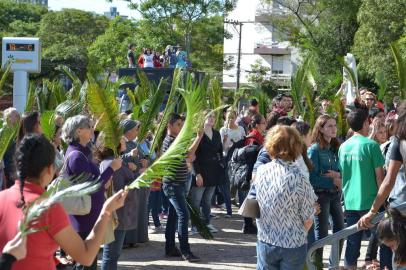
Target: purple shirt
x,y
81,163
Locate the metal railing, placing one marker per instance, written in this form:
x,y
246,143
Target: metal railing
x,y
334,241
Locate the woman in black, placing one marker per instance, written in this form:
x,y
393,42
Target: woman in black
x,y
208,169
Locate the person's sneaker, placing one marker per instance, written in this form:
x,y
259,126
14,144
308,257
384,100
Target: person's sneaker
x,y
211,228
158,229
173,252
190,257
193,231
250,229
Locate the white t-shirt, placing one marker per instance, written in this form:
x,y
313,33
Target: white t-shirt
x,y
148,61
234,135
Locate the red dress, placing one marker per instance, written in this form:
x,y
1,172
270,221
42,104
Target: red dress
x,y
41,245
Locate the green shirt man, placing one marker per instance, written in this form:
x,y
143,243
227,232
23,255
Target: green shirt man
x,y
359,156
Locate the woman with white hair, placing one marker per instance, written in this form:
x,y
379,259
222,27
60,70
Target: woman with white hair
x,y
77,132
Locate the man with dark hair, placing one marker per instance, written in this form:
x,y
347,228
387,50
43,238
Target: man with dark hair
x,y
130,56
361,164
289,103
245,119
174,189
254,106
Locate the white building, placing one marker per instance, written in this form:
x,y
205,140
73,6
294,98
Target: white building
x,y
259,40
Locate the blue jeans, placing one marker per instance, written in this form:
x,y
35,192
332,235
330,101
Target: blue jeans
x,y
352,251
178,217
112,251
165,203
270,257
225,190
202,196
154,206
330,205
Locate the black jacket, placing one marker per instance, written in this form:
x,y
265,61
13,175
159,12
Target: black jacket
x,y
209,161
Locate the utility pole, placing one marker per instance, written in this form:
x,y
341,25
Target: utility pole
x,y
239,31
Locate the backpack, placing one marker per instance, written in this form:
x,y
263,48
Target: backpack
x,y
241,159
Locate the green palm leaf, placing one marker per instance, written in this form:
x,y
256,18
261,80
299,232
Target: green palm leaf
x,y
150,110
70,106
382,84
215,95
103,105
7,134
30,98
400,67
4,75
48,124
56,194
76,82
169,108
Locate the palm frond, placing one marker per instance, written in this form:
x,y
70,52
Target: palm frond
x,y
70,106
7,134
380,80
48,124
169,108
4,75
103,105
76,82
150,109
400,67
339,112
30,98
197,221
215,96
56,194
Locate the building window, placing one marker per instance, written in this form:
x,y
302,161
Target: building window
x,y
277,64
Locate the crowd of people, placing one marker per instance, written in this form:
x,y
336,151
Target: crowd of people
x,y
172,57
304,180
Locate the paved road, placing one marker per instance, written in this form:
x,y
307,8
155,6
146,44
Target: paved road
x,y
230,249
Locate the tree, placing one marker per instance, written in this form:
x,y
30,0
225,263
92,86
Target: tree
x,y
378,29
260,77
66,36
109,49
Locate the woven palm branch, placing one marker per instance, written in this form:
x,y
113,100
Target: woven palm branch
x,y
169,108
56,194
48,124
7,134
173,158
4,74
400,67
103,105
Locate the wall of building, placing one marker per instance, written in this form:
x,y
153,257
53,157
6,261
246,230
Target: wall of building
x,y
257,34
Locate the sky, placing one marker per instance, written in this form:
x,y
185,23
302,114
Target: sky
x,y
98,6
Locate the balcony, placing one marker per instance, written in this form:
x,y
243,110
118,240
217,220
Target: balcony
x,y
271,50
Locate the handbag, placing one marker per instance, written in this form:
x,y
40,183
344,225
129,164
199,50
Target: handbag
x,y
250,206
77,206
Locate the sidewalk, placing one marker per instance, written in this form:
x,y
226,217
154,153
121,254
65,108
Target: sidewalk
x,y
230,249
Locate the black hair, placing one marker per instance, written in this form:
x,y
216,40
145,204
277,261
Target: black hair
x,y
28,123
286,120
174,117
357,118
255,120
394,228
279,97
34,154
130,46
302,127
401,110
253,102
272,119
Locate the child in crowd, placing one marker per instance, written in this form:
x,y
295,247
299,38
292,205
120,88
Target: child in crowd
x,y
392,233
